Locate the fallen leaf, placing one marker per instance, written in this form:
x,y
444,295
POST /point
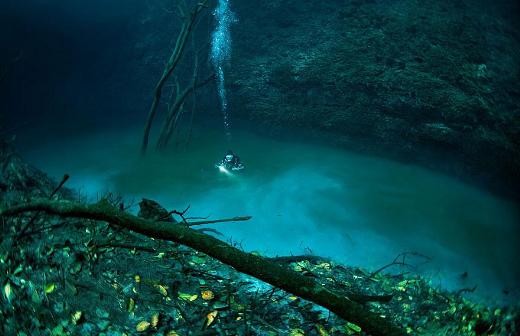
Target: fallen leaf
x,y
207,295
321,330
324,265
8,291
19,269
353,327
162,289
198,260
296,332
142,326
155,320
131,305
76,317
49,288
188,297
210,318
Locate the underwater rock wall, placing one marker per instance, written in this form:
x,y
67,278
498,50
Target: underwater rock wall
x,y
433,83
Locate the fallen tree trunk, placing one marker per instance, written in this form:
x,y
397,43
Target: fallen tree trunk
x,y
347,307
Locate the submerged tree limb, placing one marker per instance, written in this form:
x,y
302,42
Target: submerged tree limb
x,y
400,259
347,307
176,109
177,53
234,219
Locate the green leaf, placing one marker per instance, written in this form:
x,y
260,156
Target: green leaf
x,y
50,287
353,327
188,297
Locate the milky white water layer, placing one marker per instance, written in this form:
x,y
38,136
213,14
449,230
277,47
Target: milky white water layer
x,y
355,209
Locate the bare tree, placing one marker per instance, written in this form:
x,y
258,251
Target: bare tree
x,y
176,107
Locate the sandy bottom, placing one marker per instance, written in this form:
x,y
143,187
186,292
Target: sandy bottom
x,y
309,199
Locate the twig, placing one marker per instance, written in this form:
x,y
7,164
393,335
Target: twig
x,y
64,179
192,218
23,231
234,219
204,273
41,230
178,213
400,259
466,290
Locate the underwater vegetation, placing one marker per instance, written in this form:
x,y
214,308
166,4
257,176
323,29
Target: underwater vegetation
x,y
433,84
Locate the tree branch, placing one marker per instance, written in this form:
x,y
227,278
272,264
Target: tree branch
x,y
234,219
178,51
345,306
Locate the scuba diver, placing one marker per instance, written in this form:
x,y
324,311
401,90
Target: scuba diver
x,y
231,161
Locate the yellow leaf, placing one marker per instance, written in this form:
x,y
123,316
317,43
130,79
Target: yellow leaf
x,y
142,326
8,291
210,318
321,330
162,289
137,278
131,305
207,295
296,332
172,333
49,288
155,320
325,265
76,317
